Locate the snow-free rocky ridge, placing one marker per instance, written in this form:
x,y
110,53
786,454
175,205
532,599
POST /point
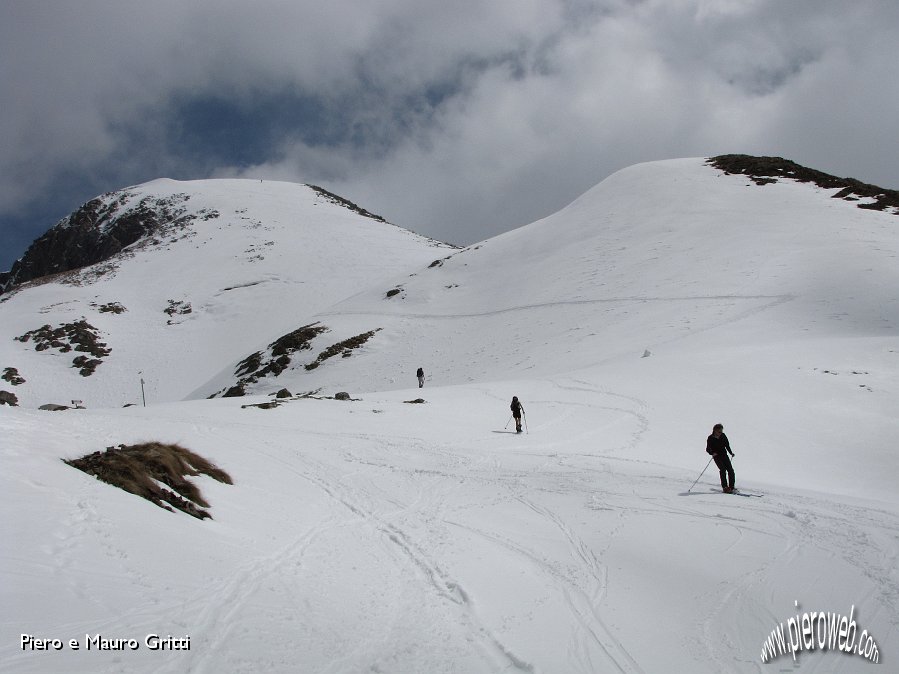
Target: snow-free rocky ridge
x,y
376,535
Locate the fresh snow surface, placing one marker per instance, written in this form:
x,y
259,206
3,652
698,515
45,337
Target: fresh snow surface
x,y
378,535
258,258
381,536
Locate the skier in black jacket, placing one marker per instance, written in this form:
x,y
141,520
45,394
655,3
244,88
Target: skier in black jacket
x,y
421,377
719,447
517,409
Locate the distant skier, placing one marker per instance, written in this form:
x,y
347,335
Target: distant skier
x,y
517,409
421,377
719,447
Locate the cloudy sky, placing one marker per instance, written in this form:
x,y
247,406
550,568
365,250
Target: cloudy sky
x,y
458,120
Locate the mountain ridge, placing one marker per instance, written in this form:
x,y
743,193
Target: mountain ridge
x,y
105,225
407,529
233,262
639,244
655,236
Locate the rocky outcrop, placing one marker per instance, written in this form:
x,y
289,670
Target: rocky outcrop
x,y
767,170
97,231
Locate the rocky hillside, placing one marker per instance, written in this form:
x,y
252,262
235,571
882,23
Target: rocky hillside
x,y
169,281
106,225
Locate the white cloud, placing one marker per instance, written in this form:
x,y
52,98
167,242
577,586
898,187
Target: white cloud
x,y
461,119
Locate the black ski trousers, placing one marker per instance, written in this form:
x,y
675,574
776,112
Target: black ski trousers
x,y
725,469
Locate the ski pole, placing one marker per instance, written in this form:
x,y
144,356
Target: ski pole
x,y
507,423
700,475
524,418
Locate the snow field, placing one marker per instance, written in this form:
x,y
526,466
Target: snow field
x,y
378,535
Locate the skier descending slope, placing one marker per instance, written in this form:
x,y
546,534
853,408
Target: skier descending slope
x,y
719,447
517,409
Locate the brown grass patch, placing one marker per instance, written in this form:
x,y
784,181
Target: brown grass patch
x,y
139,469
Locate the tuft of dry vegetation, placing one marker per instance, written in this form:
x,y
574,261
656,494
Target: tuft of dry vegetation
x,y
144,468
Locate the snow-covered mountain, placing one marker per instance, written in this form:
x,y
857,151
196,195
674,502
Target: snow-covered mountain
x,y
378,535
186,276
751,300
654,255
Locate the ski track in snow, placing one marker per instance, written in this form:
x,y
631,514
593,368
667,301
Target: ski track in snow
x,y
596,646
418,500
354,541
416,497
770,301
450,489
425,568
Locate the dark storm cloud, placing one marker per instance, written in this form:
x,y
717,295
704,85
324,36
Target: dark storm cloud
x,y
457,119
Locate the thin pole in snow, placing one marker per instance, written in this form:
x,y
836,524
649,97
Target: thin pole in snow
x,y
700,475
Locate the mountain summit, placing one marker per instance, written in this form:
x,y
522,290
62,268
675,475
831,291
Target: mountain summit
x,y
657,254
106,225
237,287
180,278
406,529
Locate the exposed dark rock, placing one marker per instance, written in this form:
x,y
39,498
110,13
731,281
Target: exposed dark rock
x,y
439,263
53,407
97,231
263,406
249,364
87,365
395,291
767,170
340,201
297,340
236,391
283,393
254,367
110,308
345,345
343,395
80,336
12,375
177,308
8,398
417,401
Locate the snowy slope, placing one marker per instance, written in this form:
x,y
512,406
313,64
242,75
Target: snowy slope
x,y
655,254
774,308
252,259
382,536
377,535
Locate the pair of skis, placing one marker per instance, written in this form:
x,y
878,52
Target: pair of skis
x,y
524,418
735,491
